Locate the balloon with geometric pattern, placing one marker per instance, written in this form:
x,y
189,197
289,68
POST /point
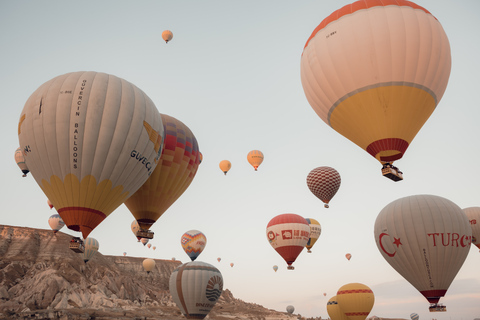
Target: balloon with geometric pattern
x,y
368,74
324,183
193,242
414,316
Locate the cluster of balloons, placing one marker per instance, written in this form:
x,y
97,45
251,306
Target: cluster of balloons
x,y
254,157
353,301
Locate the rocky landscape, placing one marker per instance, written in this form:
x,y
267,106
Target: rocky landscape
x,y
41,278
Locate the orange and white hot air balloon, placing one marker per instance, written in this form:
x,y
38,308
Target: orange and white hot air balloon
x,y
20,160
225,166
167,35
193,242
315,231
255,158
288,234
426,239
174,173
356,300
348,256
90,141
368,73
334,311
324,183
473,215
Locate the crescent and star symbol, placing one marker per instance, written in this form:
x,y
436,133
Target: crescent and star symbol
x,y
395,242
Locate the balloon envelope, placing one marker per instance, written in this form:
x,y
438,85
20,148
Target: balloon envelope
x,y
290,309
225,166
195,287
167,35
288,234
473,215
426,239
324,183
414,316
173,175
144,241
275,268
334,311
193,242
355,300
255,158
55,222
367,75
91,248
90,141
348,256
148,265
20,160
315,231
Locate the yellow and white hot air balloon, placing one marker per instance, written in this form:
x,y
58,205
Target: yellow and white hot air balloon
x,y
473,215
356,300
167,35
195,288
334,311
148,265
368,73
225,166
426,239
91,248
315,231
90,141
20,160
255,158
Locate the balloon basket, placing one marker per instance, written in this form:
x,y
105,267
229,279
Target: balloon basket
x,y
437,308
143,233
76,245
392,172
291,268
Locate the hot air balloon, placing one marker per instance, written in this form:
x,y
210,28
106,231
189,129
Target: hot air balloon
x,y
55,222
315,231
50,204
473,215
91,247
167,35
219,259
200,156
173,259
148,265
232,264
195,287
149,245
290,309
20,160
193,242
426,239
135,228
144,241
255,158
334,311
173,175
275,268
348,256
355,300
324,183
288,234
367,75
414,316
154,248
225,166
124,254
89,165
324,294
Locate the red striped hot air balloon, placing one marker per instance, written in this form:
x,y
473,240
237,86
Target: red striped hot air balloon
x,y
174,173
368,74
288,234
324,183
355,300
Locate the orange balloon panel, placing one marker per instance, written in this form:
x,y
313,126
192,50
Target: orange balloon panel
x,y
367,73
175,171
355,300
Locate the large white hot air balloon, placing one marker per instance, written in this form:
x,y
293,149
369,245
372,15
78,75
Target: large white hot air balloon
x,y
90,141
426,238
195,287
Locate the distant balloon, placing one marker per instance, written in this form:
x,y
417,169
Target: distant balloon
x,y
148,265
324,183
173,259
20,160
334,311
124,254
219,259
200,155
92,136
167,35
355,300
174,173
324,294
366,75
55,222
348,256
144,241
426,239
473,215
193,242
154,248
315,231
288,234
290,309
275,268
414,316
135,227
195,288
50,204
149,245
255,158
91,248
231,264
225,166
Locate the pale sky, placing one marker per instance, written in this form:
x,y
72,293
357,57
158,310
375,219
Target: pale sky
x,y
232,75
